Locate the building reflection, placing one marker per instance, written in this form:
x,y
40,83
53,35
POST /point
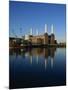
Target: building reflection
x,y
52,55
35,54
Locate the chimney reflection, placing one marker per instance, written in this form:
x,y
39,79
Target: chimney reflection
x,y
52,60
30,56
52,54
30,59
49,52
37,59
44,55
45,64
26,54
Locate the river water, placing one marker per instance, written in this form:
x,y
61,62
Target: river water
x,y
37,67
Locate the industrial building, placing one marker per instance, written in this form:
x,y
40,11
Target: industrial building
x,y
36,39
42,39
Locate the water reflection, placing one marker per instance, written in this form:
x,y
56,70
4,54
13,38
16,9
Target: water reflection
x,y
33,67
37,53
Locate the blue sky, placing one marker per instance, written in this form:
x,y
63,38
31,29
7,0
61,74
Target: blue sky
x,y
26,15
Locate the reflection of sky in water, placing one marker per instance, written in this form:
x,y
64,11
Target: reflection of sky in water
x,y
46,66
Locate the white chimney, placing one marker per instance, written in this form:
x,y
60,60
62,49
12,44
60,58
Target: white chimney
x,y
52,29
37,32
45,28
31,31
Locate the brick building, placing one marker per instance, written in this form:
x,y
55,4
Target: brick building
x,y
42,39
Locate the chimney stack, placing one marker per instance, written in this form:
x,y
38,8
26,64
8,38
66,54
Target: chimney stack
x,y
52,29
31,31
45,28
37,32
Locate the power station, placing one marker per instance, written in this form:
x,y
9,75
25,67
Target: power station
x,y
42,39
30,40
